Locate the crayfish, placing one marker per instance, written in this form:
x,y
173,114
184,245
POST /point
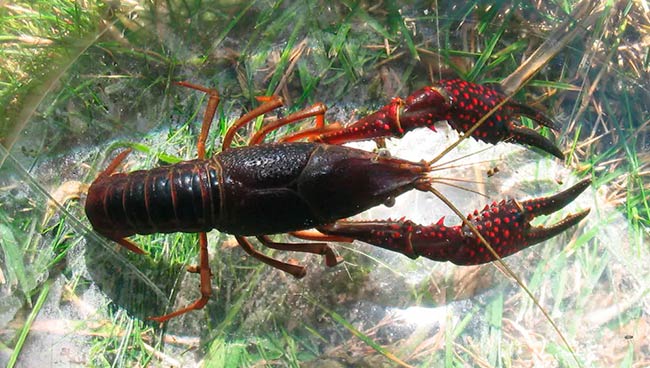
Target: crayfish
x,y
294,185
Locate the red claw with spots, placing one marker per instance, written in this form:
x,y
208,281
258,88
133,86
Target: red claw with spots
x,y
462,104
505,225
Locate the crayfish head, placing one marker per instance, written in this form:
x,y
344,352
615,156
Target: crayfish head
x,y
340,181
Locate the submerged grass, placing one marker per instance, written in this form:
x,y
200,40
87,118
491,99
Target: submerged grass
x,y
83,80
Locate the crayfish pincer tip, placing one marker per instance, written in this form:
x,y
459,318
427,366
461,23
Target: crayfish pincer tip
x,y
550,204
542,233
574,191
525,135
555,151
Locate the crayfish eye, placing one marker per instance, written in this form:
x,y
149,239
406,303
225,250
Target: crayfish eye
x,y
382,153
389,202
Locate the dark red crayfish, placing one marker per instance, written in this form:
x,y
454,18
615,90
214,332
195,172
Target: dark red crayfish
x,y
264,189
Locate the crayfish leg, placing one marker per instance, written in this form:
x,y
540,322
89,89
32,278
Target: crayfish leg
x,y
311,133
126,243
296,271
272,103
331,259
208,116
117,161
316,110
206,286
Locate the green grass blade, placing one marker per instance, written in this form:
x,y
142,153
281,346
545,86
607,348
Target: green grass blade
x,y
45,291
482,61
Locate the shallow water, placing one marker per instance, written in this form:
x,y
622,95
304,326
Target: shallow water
x,y
378,307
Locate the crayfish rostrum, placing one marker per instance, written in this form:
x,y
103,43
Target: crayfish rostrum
x,y
308,180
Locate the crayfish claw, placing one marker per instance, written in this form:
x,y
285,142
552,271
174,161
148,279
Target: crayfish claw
x,y
547,205
532,208
542,233
534,114
523,135
469,102
505,225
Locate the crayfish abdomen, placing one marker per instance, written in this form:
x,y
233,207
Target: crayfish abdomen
x,y
174,198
